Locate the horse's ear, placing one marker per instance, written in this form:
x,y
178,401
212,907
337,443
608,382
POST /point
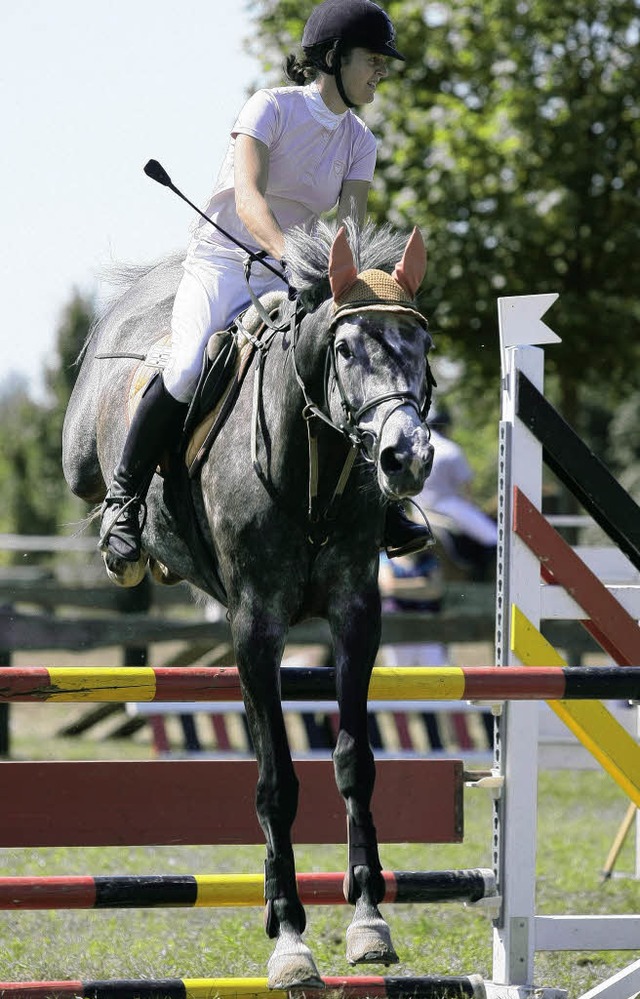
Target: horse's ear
x,y
413,266
342,269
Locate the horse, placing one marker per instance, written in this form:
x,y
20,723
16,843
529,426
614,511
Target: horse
x,y
287,514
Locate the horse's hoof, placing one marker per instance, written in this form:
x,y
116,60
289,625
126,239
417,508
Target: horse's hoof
x,y
369,942
291,966
162,574
122,572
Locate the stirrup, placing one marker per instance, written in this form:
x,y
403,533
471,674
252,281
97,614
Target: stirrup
x,y
420,543
415,537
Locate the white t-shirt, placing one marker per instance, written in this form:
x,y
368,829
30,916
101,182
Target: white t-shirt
x,y
312,151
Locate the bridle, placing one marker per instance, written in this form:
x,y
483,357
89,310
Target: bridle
x,y
362,441
350,424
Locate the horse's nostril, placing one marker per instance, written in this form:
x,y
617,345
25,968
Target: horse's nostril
x,y
390,462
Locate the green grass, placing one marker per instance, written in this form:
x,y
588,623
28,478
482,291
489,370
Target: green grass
x,y
579,814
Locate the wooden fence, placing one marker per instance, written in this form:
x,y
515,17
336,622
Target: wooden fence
x,y
74,609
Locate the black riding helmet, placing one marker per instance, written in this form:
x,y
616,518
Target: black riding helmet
x,y
348,24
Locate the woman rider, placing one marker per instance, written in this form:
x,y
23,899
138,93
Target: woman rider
x,y
294,153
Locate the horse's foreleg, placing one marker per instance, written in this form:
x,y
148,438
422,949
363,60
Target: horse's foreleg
x,y
356,639
291,964
259,654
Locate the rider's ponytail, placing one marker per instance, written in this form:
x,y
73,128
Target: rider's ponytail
x,y
298,70
301,70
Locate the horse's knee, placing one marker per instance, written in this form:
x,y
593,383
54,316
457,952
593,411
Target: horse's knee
x,y
277,799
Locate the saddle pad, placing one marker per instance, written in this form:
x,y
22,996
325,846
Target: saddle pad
x,y
156,360
207,430
201,434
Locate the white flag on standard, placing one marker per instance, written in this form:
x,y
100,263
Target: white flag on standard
x,y
520,320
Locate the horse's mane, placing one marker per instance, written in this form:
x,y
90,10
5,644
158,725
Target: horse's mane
x,y
307,253
147,291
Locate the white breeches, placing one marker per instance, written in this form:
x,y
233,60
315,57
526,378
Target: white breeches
x,y
212,292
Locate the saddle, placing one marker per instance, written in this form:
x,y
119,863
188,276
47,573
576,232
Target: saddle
x,y
225,363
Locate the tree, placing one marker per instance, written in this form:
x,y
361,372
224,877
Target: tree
x,y
34,498
511,136
73,330
624,438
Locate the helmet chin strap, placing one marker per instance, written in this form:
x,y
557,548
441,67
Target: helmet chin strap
x,y
342,91
336,70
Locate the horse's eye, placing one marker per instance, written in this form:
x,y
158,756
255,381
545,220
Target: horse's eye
x,y
343,349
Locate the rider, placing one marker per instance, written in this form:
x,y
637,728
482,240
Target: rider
x,y
294,153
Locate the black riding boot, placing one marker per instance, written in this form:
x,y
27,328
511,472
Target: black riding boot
x,y
402,536
124,509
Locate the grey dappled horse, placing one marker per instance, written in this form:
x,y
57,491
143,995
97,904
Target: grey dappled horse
x,y
347,378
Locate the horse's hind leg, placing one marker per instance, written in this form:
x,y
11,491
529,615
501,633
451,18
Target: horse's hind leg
x,y
259,653
356,639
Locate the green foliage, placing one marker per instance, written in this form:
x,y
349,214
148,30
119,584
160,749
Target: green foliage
x,y
73,330
34,498
32,493
624,436
519,156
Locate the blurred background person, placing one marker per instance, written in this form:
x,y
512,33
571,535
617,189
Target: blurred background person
x,y
467,534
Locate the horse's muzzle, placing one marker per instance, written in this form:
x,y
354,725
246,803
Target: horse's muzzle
x,y
404,465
